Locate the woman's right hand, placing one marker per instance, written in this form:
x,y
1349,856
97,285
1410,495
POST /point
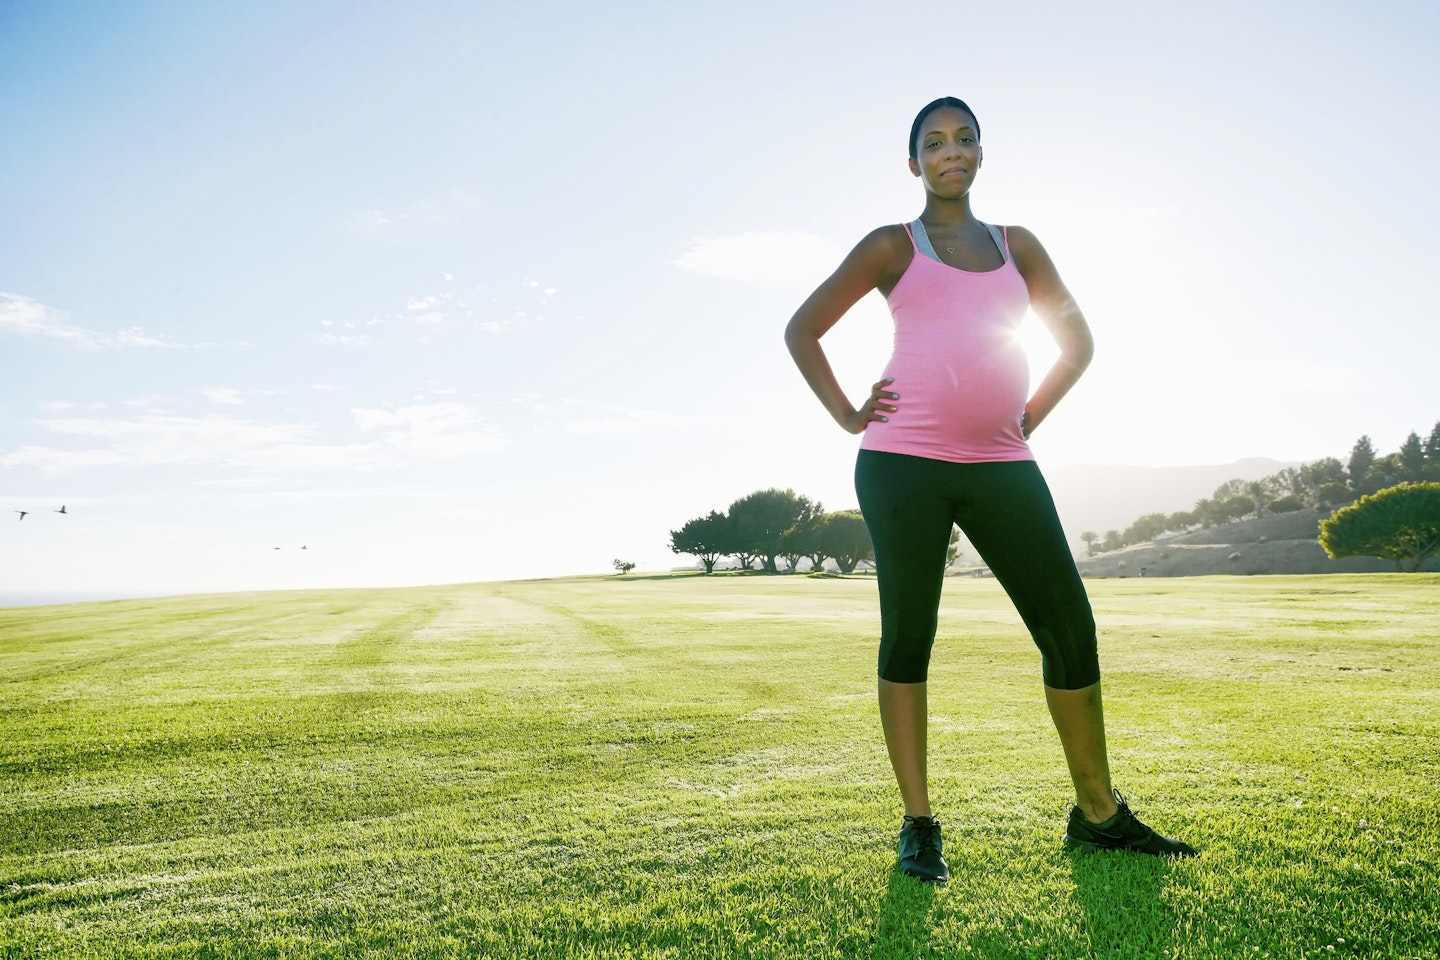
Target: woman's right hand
x,y
874,408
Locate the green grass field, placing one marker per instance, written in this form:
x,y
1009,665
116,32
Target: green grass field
x,y
689,767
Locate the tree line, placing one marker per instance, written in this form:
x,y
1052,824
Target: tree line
x,y
768,526
1324,484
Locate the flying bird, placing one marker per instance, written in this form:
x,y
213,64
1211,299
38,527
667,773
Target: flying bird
x,y
61,510
22,513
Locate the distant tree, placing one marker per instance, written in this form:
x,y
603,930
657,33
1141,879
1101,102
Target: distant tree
x,y
761,519
1206,512
846,539
1432,454
1089,536
1412,458
1319,473
953,551
1362,456
1286,504
1256,491
1400,523
1234,508
707,538
1334,493
624,566
1385,472
1289,481
1181,521
1148,527
804,540
1229,490
1113,541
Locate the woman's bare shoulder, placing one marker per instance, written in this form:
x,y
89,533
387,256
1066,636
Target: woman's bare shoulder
x,y
885,250
892,238
1026,248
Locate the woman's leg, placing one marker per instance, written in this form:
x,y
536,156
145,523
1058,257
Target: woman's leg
x,y
909,520
1013,525
903,715
1080,720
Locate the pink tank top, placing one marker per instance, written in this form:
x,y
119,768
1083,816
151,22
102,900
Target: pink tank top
x,y
958,365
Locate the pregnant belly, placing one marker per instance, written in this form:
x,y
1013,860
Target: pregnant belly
x,y
955,411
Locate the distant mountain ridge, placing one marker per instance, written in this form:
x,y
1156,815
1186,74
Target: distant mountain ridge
x,y
1110,497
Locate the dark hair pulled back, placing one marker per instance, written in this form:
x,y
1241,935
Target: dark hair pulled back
x,y
930,108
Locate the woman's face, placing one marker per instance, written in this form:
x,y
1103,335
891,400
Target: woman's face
x,y
948,155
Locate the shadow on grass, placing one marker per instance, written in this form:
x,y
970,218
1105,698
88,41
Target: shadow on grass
x,y
903,929
1121,896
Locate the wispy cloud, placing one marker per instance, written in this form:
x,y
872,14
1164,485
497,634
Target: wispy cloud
x,y
27,317
618,419
342,340
398,437
783,256
418,219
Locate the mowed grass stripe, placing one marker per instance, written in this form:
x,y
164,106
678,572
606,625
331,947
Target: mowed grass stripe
x,y
688,767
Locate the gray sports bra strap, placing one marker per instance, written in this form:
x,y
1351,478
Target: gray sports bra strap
x,y
922,240
923,244
999,239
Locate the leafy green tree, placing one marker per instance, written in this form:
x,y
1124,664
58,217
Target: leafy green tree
x,y
1234,508
845,538
1089,536
1400,523
1412,458
1148,527
1362,457
1113,541
761,519
1288,482
1334,493
804,540
707,538
1229,490
1181,521
953,551
1385,472
1432,454
1286,504
1206,512
1256,491
1319,473
624,566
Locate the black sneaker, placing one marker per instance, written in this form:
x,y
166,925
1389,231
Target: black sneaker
x,y
922,850
1121,832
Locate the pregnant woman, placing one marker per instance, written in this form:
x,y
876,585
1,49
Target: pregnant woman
x,y
945,442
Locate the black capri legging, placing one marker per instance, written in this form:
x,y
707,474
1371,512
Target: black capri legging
x,y
1006,510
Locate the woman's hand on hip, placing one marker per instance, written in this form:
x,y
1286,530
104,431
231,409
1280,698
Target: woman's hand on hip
x,y
875,408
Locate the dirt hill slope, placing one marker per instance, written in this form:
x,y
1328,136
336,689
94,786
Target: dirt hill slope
x,y
1284,543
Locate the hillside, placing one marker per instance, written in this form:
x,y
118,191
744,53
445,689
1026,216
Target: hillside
x,y
1104,497
1284,543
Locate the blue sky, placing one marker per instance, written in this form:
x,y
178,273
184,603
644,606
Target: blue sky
x,y
447,291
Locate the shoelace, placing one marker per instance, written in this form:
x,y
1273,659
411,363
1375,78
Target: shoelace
x,y
927,832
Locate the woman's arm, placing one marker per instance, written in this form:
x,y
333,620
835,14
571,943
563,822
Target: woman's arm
x,y
1055,307
870,265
